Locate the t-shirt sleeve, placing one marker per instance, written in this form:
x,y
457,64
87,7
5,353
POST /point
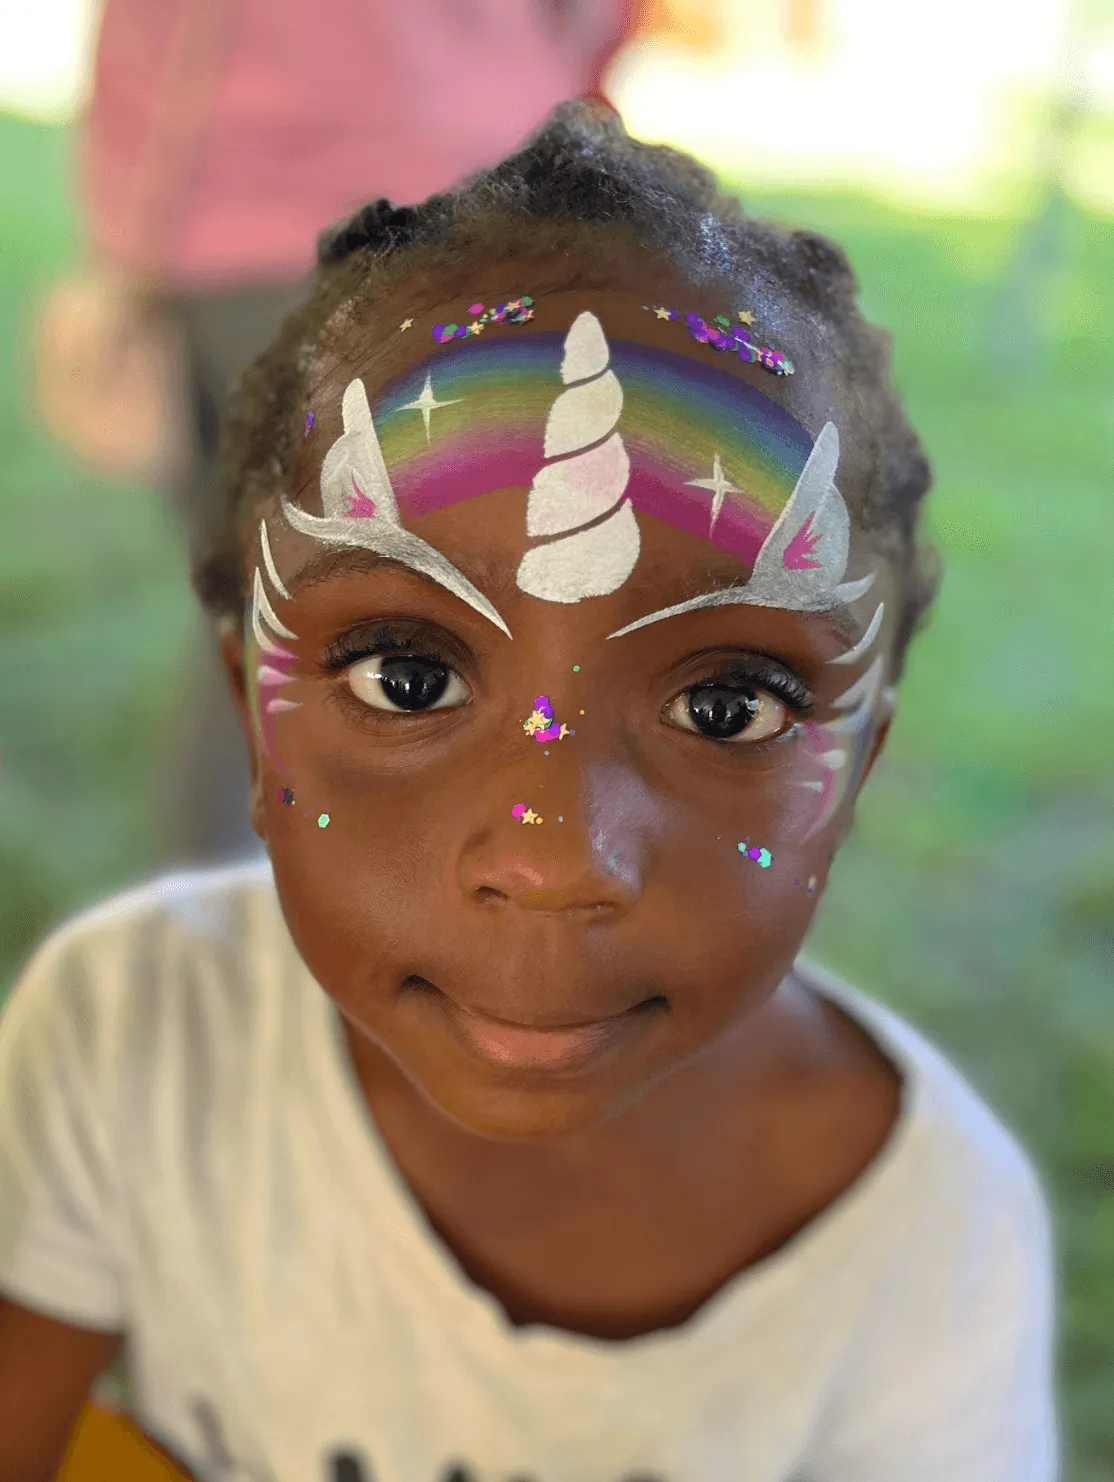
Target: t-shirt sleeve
x,y
59,1246
953,1375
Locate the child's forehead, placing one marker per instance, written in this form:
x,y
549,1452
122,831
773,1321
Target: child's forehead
x,y
598,411
461,396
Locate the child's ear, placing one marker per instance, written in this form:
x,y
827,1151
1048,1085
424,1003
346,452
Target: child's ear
x,y
233,658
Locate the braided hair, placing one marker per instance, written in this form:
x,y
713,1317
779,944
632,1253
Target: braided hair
x,y
579,184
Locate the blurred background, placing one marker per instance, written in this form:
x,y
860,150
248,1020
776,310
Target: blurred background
x,y
963,153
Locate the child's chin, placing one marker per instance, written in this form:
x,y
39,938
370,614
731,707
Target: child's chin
x,y
534,1114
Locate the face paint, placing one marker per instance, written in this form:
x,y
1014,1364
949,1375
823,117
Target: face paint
x,y
839,746
635,428
360,509
802,561
575,492
664,417
272,672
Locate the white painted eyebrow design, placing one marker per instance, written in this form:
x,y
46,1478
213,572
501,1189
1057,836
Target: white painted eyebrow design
x,y
840,616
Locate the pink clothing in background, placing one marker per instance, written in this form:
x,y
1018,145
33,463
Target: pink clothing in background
x,y
224,135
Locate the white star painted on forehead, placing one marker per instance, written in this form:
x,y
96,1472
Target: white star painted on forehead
x,y
720,486
427,403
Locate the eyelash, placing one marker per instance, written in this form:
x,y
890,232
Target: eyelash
x,y
767,674
350,649
757,670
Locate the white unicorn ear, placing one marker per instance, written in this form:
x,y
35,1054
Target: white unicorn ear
x,y
354,478
803,559
572,494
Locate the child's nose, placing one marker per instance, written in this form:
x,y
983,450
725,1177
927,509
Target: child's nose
x,y
587,853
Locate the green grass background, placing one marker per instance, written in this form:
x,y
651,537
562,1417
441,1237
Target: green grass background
x,y
977,895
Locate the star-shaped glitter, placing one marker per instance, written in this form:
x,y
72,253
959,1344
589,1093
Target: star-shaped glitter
x,y
662,313
746,317
406,324
720,486
427,403
535,721
530,816
476,327
564,732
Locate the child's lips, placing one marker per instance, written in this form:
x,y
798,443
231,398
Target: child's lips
x,y
519,1046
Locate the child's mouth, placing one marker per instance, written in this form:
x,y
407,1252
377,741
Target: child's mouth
x,y
523,1047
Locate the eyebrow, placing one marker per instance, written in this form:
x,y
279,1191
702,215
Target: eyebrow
x,y
356,560
841,620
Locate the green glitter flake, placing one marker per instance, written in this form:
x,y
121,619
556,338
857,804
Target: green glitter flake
x,y
576,668
323,821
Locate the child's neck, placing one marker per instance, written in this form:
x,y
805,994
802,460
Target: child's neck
x,y
633,1227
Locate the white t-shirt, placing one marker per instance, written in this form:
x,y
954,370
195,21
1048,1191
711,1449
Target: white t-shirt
x,y
185,1155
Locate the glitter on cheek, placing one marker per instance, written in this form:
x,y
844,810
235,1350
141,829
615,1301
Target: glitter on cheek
x,y
323,821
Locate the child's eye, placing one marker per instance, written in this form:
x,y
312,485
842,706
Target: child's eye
x,y
727,712
407,683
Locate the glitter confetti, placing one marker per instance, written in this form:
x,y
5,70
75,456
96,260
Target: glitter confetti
x,y
310,419
323,821
762,857
541,725
525,815
514,311
576,670
287,795
406,324
721,334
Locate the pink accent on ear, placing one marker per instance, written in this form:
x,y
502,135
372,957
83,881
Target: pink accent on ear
x,y
797,554
360,507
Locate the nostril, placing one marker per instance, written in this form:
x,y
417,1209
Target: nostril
x,y
487,895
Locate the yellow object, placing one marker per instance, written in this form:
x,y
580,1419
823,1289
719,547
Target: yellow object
x,y
107,1447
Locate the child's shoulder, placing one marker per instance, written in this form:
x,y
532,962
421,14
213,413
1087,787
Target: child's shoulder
x,y
964,1155
96,967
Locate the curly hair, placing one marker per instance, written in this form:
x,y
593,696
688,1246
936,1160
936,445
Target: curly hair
x,y
561,200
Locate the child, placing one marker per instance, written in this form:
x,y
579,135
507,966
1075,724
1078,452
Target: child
x,y
493,1128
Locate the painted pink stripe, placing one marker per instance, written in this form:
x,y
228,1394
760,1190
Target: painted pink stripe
x,y
740,530
430,482
274,706
267,675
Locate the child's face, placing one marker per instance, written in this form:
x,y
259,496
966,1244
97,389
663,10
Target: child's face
x,y
595,877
